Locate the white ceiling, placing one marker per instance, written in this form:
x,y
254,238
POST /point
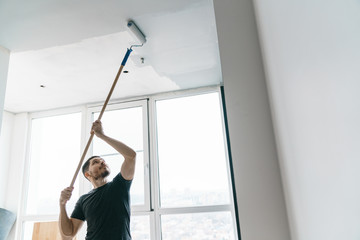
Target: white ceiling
x,y
74,49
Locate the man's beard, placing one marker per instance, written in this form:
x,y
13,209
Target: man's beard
x,y
105,173
102,175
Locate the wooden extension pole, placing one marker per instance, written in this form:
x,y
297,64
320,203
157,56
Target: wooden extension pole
x,y
100,116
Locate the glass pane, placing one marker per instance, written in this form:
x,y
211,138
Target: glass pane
x,y
137,188
125,125
140,227
54,156
199,226
192,158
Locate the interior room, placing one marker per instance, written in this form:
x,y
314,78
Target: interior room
x,y
244,114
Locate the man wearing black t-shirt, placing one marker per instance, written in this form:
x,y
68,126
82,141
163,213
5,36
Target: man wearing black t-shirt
x,y
106,208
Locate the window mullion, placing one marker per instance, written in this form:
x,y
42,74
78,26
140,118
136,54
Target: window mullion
x,y
147,157
198,209
154,177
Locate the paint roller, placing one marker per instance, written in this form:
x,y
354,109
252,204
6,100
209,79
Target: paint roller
x,y
140,37
136,32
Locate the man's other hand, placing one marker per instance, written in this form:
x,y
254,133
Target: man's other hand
x,y
66,195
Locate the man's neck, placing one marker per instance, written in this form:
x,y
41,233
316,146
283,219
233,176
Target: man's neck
x,y
99,182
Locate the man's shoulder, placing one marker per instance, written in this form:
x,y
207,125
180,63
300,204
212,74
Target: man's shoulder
x,y
120,181
86,195
120,178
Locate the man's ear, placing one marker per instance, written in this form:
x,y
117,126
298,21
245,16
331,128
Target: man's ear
x,y
87,175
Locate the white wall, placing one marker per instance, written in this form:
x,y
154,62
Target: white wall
x,y
12,147
5,149
259,189
4,136
16,150
4,65
313,63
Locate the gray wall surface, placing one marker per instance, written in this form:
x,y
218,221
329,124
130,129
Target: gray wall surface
x,y
4,65
259,190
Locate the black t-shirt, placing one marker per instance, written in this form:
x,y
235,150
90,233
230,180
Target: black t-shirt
x,y
106,210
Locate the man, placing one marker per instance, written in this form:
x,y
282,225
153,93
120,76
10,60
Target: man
x,y
106,208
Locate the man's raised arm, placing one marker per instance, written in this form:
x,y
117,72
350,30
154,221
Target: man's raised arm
x,y
128,166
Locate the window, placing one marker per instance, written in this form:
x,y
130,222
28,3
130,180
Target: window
x,y
181,188
191,152
204,226
128,123
194,191
55,147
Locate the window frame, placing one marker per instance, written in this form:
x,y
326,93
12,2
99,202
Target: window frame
x,y
154,161
125,105
152,206
22,216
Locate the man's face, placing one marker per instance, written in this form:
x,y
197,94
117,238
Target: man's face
x,y
98,168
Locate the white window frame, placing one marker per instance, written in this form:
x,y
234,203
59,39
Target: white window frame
x,y
118,106
22,216
157,209
151,207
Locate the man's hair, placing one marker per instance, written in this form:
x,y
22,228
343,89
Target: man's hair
x,y
85,167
